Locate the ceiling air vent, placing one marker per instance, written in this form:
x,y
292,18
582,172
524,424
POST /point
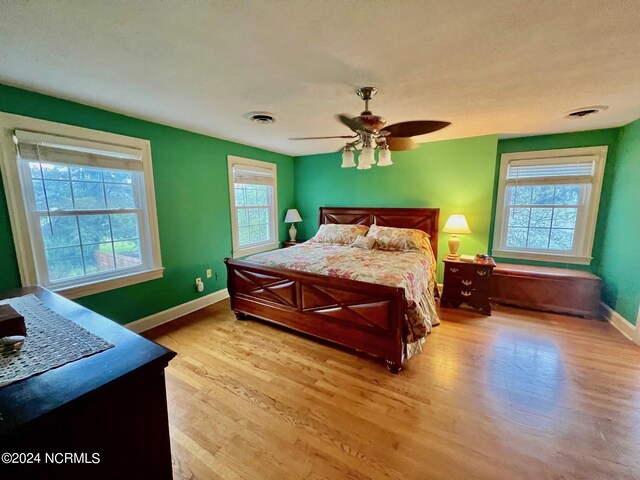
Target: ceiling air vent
x,y
585,111
261,117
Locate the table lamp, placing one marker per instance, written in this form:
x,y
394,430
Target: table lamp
x,y
456,224
292,217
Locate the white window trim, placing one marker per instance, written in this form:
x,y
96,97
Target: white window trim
x,y
243,252
18,214
499,250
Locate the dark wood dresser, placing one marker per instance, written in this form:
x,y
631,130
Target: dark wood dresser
x,y
112,404
467,282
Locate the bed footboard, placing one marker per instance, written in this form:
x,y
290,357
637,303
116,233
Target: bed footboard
x,y
358,315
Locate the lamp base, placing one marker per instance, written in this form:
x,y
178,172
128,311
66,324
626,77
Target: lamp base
x,y
293,232
454,244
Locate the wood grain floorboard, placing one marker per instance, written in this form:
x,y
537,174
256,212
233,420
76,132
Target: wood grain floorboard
x,y
520,394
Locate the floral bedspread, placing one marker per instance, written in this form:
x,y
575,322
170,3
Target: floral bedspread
x,y
414,271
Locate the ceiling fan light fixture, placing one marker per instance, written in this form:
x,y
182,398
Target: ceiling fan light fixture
x,y
384,157
371,132
363,166
367,156
347,158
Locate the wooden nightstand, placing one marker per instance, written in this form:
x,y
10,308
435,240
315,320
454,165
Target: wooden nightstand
x,y
467,282
289,243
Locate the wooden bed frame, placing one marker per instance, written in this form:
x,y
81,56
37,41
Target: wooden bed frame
x,y
358,315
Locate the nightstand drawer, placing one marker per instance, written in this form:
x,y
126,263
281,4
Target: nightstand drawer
x,y
467,270
456,270
468,283
483,273
467,295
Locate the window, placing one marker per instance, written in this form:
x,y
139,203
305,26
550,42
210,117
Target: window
x,y
253,192
548,203
83,212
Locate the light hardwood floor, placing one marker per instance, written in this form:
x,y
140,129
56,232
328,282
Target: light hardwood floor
x,y
517,395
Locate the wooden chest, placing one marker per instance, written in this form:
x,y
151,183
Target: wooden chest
x,y
543,288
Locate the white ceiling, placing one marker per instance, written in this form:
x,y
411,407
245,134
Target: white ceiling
x,y
506,67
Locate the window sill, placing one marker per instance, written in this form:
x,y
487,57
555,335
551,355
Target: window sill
x,y
100,286
542,257
256,249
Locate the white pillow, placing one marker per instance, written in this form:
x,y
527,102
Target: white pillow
x,y
367,243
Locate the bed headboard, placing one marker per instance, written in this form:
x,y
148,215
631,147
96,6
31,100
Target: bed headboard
x,y
425,219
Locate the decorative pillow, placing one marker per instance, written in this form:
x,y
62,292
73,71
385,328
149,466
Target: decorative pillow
x,y
339,234
367,243
400,239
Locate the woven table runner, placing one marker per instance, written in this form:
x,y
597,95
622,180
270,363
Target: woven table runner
x,y
52,341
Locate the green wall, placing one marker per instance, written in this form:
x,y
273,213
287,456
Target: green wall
x,y
458,176
620,261
591,138
454,175
192,197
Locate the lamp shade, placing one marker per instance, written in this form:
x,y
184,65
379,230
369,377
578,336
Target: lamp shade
x,y
384,158
347,159
368,153
366,158
456,224
292,216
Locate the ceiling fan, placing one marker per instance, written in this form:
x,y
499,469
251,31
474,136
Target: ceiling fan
x,y
371,133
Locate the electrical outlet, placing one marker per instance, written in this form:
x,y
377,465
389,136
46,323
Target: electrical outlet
x,y
209,273
198,280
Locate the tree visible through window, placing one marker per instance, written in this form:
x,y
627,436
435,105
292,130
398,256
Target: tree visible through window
x,y
542,217
77,241
252,206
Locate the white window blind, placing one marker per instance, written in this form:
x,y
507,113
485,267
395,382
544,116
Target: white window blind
x,y
246,174
561,170
55,149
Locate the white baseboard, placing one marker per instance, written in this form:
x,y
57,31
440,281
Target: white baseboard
x,y
625,327
178,311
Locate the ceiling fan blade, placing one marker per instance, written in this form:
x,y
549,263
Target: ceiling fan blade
x,y
398,144
415,127
320,138
353,123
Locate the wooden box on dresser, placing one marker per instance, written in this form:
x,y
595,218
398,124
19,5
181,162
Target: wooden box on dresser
x,y
467,282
